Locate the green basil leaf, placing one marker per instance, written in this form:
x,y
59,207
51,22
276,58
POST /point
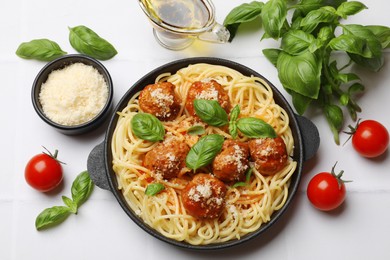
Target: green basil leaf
x,y
350,8
344,99
347,43
147,127
255,128
154,188
204,151
70,203
382,33
325,14
272,55
372,47
335,118
51,217
273,17
196,130
301,73
300,102
347,77
40,49
305,6
211,112
242,14
325,34
356,87
233,121
248,175
239,184
373,64
296,41
82,188
86,41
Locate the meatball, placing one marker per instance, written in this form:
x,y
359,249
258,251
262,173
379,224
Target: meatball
x,y
269,154
160,100
232,162
167,159
207,89
204,197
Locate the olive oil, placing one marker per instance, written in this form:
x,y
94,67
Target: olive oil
x,y
181,14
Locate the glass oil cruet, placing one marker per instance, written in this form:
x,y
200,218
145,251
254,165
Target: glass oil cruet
x,y
177,23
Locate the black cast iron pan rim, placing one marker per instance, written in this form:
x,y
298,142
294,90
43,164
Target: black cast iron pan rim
x,y
173,67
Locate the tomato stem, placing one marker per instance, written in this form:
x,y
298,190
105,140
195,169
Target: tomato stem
x,y
352,130
54,156
338,176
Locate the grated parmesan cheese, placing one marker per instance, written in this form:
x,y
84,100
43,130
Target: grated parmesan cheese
x,y
73,95
209,94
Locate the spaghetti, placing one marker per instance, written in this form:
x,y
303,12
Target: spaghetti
x,y
247,207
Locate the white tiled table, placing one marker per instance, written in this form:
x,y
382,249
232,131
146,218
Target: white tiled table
x,y
101,230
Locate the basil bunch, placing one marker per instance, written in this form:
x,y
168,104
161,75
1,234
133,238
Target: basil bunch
x,y
83,39
308,40
81,189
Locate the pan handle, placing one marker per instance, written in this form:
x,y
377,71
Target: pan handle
x,y
96,167
310,137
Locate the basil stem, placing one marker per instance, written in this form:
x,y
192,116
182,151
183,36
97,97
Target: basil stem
x,y
147,127
154,188
211,112
40,49
81,189
86,41
204,151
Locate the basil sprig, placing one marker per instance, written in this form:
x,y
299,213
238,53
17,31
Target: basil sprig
x,y
147,127
204,151
40,49
211,112
305,63
154,188
81,189
86,41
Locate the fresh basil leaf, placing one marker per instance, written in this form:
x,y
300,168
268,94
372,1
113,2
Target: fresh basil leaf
x,y
82,188
300,73
325,34
356,87
86,41
382,33
239,184
70,203
233,121
344,99
40,49
196,130
335,118
272,55
154,188
242,14
347,77
204,151
147,127
305,6
273,17
373,64
255,128
211,112
325,14
51,217
347,43
372,47
300,102
350,8
296,41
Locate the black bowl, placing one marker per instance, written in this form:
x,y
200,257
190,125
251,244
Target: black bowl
x,y
61,63
99,164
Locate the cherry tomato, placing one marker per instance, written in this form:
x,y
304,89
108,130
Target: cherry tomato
x,y
370,138
44,172
326,191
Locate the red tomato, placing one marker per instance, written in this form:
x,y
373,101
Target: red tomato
x,y
326,191
370,138
43,172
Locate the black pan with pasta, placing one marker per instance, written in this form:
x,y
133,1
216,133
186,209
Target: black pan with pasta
x,y
250,210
